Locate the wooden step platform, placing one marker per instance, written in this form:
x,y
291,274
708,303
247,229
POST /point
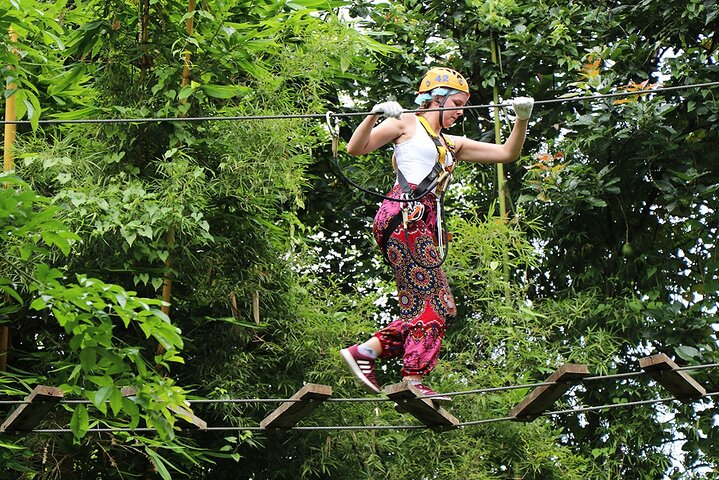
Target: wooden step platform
x,y
26,416
304,401
408,399
662,369
541,398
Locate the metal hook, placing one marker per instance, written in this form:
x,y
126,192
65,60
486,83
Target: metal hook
x,y
334,131
328,117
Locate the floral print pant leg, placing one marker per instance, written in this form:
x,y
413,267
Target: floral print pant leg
x,y
425,300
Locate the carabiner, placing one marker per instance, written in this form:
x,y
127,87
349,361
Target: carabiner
x,y
334,130
417,210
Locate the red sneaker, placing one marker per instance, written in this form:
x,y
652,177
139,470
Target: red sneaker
x,y
431,394
362,366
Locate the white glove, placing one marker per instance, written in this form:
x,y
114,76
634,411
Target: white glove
x,y
523,107
388,109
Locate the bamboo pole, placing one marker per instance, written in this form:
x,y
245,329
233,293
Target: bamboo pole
x,y
502,190
189,28
4,344
10,128
167,281
501,180
8,165
145,60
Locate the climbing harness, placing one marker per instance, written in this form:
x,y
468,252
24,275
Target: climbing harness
x,y
436,181
412,209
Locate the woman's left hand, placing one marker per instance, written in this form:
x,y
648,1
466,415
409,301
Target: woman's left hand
x,y
523,107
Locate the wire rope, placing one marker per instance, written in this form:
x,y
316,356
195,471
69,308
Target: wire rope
x,y
384,399
561,99
570,411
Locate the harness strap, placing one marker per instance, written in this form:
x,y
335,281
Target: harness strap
x,y
441,150
387,232
428,183
435,176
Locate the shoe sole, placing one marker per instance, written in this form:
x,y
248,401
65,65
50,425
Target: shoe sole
x,y
439,399
355,368
442,400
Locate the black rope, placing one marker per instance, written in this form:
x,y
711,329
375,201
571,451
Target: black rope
x,y
341,175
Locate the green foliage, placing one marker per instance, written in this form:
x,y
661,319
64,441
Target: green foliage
x,y
212,205
38,34
620,188
610,245
91,363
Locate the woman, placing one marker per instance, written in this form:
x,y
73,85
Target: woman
x,y
424,157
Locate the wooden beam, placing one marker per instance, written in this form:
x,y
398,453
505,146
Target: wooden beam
x,y
26,416
541,398
409,399
304,401
189,417
662,369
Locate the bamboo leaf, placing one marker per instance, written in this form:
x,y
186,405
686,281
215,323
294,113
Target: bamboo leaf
x,y
159,463
80,421
65,80
224,91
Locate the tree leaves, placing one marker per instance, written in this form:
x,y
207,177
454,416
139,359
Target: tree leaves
x,y
80,421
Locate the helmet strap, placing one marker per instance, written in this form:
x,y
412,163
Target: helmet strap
x,y
441,112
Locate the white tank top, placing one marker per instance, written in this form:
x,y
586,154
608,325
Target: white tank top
x,y
416,156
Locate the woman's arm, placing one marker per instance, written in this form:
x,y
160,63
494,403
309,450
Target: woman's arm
x,y
474,151
367,137
470,150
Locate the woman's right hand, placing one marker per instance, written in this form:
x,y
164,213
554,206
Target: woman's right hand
x,y
368,136
388,109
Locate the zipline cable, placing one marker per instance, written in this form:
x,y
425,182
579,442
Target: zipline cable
x,y
561,99
384,399
570,411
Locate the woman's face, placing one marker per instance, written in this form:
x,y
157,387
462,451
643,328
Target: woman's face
x,y
449,117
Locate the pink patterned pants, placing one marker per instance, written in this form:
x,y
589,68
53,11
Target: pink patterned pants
x,y
425,300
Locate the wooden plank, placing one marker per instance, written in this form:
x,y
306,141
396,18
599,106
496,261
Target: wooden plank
x,y
183,413
304,401
662,369
408,399
26,416
541,398
189,417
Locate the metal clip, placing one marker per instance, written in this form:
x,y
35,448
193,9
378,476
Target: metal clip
x,y
405,216
443,182
417,210
334,131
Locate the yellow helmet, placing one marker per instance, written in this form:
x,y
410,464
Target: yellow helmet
x,y
442,77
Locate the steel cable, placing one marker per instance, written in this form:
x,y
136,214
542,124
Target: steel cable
x,y
561,99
